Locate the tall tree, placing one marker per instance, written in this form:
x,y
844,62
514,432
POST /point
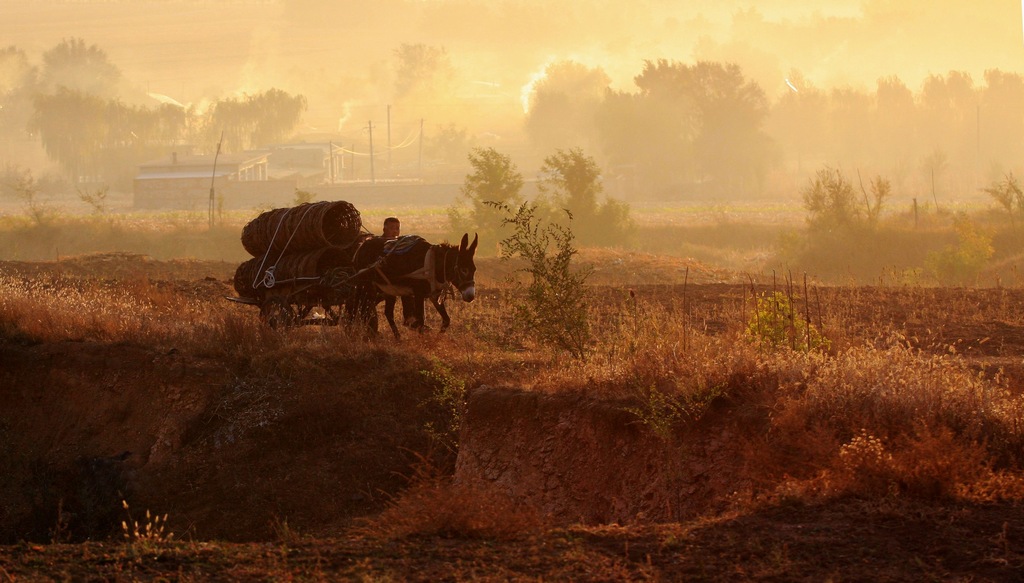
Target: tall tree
x,y
79,67
1001,117
895,127
850,121
73,129
564,103
704,123
18,79
798,121
948,108
421,71
254,120
647,135
730,147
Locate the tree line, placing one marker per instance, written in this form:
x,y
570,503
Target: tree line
x,y
706,127
72,105
700,128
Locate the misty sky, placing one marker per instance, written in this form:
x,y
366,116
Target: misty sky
x,y
341,54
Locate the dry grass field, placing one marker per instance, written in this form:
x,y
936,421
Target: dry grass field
x,y
723,427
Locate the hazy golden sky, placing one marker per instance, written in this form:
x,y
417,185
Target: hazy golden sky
x,y
341,53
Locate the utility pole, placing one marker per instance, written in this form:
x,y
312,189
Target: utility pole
x,y
389,140
213,179
331,146
977,147
419,162
373,175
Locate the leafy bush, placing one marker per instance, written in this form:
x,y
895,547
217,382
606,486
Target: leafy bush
x,y
19,183
961,263
830,202
775,323
555,309
573,179
449,396
661,411
1008,194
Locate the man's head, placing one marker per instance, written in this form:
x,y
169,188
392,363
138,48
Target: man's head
x,y
392,228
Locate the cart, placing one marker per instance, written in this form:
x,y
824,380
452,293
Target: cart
x,y
322,301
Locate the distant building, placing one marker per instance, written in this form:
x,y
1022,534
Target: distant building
x,y
240,180
309,164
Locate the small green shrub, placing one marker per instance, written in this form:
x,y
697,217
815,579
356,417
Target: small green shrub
x,y
961,263
661,411
776,323
449,395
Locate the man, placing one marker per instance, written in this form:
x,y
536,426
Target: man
x,y
392,228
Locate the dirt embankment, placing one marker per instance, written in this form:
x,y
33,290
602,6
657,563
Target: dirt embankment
x,y
591,461
228,453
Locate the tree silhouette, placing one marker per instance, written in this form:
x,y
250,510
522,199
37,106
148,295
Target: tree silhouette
x,y
573,180
701,123
73,129
90,137
799,121
254,120
421,70
564,103
494,182
18,79
1001,116
79,67
730,147
948,112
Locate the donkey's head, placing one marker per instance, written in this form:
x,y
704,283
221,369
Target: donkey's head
x,y
465,269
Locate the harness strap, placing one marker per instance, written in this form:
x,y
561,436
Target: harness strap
x,y
425,273
380,272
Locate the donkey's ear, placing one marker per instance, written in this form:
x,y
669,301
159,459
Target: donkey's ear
x,y
465,242
472,247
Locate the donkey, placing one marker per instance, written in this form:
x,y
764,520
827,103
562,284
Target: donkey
x,y
411,267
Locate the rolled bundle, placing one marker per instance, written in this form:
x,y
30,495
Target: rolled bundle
x,y
252,281
305,227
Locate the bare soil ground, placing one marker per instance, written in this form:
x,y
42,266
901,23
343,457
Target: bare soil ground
x,y
846,540
294,469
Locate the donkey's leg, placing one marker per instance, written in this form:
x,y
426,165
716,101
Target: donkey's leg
x,y
389,313
445,320
421,320
408,311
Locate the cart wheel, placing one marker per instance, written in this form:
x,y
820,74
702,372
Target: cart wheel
x,y
277,313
